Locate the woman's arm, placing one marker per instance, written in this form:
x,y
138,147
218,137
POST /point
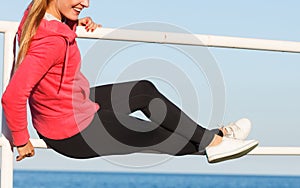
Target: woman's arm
x,y
41,56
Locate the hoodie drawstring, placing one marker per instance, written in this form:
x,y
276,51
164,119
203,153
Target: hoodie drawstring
x,y
64,68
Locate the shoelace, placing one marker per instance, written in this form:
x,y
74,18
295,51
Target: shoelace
x,y
231,129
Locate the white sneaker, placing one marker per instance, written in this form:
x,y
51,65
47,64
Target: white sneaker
x,y
229,149
239,129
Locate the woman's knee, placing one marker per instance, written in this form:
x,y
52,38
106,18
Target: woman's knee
x,y
146,85
144,88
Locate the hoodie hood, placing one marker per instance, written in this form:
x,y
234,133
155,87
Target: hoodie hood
x,y
55,28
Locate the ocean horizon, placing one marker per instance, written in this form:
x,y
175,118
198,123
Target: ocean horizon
x,y
64,179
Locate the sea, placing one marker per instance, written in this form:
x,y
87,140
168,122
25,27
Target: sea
x,y
58,179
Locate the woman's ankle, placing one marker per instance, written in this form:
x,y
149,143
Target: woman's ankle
x,y
216,140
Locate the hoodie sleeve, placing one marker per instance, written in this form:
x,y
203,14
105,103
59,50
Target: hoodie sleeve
x,y
42,55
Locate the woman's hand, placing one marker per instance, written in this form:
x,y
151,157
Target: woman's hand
x,y
25,151
88,23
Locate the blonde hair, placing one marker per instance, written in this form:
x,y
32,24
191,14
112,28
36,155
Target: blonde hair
x,y
32,22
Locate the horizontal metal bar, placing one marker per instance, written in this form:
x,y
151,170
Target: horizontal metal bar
x,y
276,151
39,143
190,39
178,38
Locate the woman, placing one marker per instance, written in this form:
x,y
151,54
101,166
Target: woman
x,y
82,122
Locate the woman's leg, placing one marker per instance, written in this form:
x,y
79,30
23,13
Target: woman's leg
x,y
106,135
129,97
113,131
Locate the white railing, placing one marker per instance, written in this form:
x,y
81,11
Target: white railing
x,y
9,29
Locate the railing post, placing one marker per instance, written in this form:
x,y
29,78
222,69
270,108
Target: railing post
x,y
7,151
6,164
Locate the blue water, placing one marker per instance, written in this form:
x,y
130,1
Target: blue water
x,y
50,179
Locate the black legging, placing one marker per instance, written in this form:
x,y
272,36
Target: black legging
x,y
114,131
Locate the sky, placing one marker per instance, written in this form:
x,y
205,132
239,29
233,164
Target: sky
x,y
262,86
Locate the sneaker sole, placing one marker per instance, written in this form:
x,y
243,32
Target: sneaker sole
x,y
233,155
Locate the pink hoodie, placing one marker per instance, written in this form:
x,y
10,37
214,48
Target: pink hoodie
x,y
49,76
